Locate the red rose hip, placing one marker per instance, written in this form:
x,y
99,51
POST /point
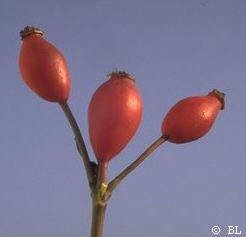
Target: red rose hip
x,y
114,114
43,67
192,117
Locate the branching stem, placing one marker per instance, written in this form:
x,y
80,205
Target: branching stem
x,y
101,191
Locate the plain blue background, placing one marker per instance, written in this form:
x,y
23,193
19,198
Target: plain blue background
x,y
174,49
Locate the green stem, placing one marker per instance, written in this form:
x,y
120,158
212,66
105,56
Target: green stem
x,y
98,216
80,143
98,203
118,179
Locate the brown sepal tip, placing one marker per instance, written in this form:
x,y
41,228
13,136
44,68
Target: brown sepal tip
x,y
30,30
120,74
220,96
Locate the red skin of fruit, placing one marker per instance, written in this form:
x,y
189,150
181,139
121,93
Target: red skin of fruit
x,y
191,118
114,114
44,69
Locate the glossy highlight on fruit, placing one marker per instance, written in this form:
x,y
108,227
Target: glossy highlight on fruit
x,y
43,67
192,117
114,114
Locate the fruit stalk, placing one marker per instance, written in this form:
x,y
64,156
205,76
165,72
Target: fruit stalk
x,y
117,180
79,142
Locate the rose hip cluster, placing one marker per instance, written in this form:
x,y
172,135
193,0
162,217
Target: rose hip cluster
x,y
115,109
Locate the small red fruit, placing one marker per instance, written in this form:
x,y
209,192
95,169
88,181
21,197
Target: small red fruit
x,y
43,67
192,117
114,114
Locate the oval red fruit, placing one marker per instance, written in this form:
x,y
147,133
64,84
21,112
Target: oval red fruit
x,y
192,117
43,67
114,114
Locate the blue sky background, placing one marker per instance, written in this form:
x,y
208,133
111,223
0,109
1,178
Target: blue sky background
x,y
174,49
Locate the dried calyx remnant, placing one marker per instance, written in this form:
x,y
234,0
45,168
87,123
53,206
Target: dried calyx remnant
x,y
220,96
120,74
29,30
